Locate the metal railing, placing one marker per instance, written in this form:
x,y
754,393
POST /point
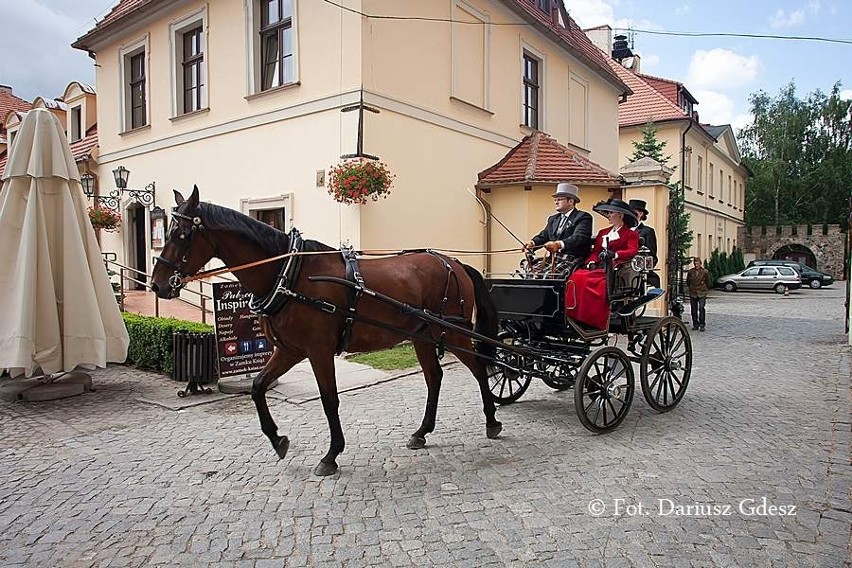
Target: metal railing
x,y
128,276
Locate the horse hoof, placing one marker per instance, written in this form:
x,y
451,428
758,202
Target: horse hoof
x,y
324,469
416,443
493,431
282,446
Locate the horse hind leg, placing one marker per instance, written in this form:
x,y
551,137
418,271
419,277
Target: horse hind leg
x,y
324,372
280,362
493,427
434,374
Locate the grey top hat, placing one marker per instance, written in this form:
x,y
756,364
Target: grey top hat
x,y
613,205
567,190
639,205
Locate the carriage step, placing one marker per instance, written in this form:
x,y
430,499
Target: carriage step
x,y
649,296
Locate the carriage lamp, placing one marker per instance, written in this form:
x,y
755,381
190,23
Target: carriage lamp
x,y
110,201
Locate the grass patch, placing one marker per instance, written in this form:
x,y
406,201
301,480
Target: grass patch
x,y
394,359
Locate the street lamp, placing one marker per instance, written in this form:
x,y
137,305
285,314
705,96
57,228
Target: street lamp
x,y
113,199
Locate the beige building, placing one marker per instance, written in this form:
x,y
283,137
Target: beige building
x,y
254,100
704,157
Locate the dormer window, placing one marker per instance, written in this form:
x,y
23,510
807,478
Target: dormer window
x,y
684,103
75,128
543,5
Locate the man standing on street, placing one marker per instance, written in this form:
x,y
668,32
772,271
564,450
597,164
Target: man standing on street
x,y
698,282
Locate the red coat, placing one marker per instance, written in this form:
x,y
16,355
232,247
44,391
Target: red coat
x,y
626,246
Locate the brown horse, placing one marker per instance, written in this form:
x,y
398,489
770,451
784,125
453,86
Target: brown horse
x,y
311,322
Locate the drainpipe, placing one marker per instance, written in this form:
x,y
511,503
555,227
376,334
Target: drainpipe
x,y
676,271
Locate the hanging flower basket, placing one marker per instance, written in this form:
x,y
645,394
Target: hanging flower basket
x,y
104,218
357,181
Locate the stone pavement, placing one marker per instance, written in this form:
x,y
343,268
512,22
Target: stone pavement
x,y
103,479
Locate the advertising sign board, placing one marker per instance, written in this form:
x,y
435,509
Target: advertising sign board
x,y
241,346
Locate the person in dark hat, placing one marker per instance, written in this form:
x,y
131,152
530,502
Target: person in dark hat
x,y
589,302
647,235
568,232
616,242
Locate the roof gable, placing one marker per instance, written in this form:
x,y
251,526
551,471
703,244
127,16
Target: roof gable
x,y
537,159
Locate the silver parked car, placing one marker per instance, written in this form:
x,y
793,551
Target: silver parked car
x,y
778,278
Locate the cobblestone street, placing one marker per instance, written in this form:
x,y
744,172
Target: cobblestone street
x,y
104,479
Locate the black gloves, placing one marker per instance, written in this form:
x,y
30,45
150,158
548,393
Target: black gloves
x,y
606,254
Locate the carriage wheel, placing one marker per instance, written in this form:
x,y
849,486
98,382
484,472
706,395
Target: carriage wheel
x,y
507,386
666,364
604,390
560,377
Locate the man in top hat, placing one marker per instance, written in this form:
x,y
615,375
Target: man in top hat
x,y
568,231
647,235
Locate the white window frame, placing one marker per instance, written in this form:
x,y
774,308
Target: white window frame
x,y
699,178
177,29
124,54
585,82
253,51
486,90
542,102
282,201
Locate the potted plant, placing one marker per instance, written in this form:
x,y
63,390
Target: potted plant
x,y
104,218
358,180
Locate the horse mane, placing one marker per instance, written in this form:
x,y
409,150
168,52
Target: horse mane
x,y
267,237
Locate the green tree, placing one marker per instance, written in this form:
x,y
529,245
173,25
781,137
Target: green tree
x,y
800,151
679,224
649,146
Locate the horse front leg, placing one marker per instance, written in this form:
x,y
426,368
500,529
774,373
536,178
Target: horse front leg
x,y
433,373
323,366
280,362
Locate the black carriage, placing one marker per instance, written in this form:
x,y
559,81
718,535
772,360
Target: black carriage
x,y
543,343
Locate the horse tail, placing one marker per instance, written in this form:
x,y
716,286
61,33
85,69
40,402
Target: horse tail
x,y
487,320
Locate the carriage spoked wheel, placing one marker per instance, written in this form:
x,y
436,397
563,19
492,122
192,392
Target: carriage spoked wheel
x,y
507,386
559,377
604,389
666,364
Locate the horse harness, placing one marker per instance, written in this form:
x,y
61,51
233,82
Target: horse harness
x,y
176,280
354,283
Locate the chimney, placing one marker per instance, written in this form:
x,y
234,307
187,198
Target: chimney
x,y
620,49
636,64
601,36
6,89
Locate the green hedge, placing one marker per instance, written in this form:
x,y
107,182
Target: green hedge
x,y
151,340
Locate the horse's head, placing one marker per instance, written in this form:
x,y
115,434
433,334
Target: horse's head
x,y
186,251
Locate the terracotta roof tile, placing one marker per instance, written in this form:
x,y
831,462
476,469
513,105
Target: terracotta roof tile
x,y
9,102
123,7
573,36
646,104
538,158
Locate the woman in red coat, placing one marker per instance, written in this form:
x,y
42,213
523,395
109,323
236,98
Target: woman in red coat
x,y
586,295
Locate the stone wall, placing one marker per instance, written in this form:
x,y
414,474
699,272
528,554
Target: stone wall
x,y
826,242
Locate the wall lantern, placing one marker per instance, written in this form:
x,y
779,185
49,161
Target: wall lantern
x,y
113,199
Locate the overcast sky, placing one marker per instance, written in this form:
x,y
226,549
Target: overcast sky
x,y
36,57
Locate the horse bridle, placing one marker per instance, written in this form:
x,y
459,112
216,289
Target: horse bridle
x,y
176,280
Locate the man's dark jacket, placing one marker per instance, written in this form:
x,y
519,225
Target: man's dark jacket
x,y
648,239
576,235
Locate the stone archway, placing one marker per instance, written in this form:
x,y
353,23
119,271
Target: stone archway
x,y
795,252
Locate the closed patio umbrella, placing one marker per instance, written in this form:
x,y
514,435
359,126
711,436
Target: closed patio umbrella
x,y
57,309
